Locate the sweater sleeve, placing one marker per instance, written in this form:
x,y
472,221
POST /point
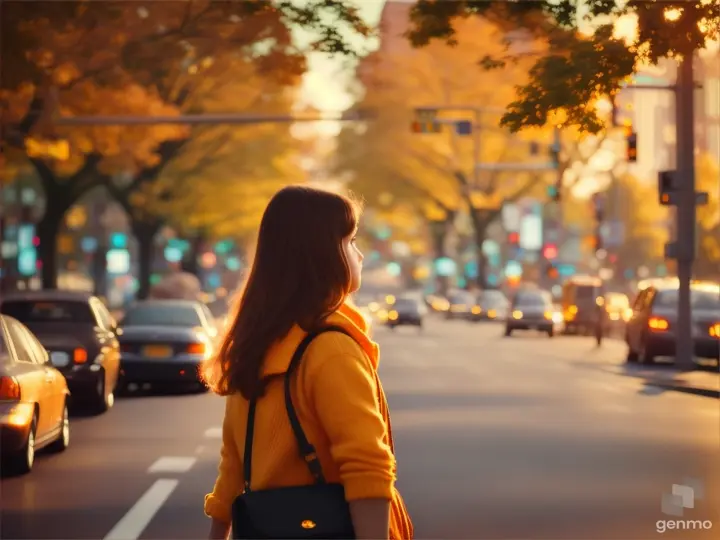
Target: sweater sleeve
x,y
230,479
343,391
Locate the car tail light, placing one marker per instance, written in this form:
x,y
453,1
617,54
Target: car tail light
x,y
9,388
196,348
657,323
80,356
715,330
548,315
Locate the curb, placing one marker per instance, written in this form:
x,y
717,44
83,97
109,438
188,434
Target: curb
x,y
679,387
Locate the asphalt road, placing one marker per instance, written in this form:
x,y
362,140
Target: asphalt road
x,y
497,438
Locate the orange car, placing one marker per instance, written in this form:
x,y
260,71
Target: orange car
x,y
33,399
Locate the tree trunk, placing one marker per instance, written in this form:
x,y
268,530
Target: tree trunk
x,y
480,226
190,262
145,235
47,230
438,233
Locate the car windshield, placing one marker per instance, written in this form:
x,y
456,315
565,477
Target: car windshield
x,y
531,300
699,299
405,303
47,311
491,298
586,293
4,353
162,315
460,298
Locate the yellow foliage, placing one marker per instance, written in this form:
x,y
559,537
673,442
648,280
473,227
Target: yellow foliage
x,y
388,156
707,178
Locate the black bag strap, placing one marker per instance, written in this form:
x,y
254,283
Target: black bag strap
x,y
307,450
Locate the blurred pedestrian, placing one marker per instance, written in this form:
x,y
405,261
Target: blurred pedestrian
x,y
306,266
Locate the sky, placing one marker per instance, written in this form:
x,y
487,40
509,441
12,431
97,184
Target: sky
x,y
325,85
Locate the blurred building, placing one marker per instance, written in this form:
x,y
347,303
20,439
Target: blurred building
x,y
652,114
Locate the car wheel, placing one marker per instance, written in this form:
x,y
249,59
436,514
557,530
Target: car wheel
x,y
63,441
646,355
102,399
508,332
551,333
631,357
23,461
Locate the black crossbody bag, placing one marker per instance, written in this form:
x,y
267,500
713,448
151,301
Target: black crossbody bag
x,y
303,512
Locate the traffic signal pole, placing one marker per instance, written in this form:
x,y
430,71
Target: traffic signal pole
x,y
686,211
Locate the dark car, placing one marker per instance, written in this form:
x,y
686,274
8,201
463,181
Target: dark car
x,y
33,399
652,328
531,310
490,305
165,341
405,311
81,336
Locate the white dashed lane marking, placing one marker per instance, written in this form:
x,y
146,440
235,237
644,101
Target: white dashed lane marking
x,y
213,433
170,464
132,524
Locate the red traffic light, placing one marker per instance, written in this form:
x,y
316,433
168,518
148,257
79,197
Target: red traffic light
x,y
550,251
513,237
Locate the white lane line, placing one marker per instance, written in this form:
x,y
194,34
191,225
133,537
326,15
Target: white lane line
x,y
132,524
213,433
169,464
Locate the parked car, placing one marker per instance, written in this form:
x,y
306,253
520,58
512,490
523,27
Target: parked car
x,y
405,311
165,341
651,329
80,335
33,399
532,309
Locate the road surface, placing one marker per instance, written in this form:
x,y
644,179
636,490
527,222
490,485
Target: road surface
x,y
497,438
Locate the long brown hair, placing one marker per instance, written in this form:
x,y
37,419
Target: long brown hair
x,y
299,275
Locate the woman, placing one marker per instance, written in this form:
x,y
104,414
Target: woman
x,y
306,266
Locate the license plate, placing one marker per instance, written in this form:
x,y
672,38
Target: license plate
x,y
157,351
59,359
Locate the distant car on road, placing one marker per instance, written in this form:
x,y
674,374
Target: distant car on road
x,y
490,305
460,304
532,309
405,311
81,336
33,399
652,328
165,341
581,298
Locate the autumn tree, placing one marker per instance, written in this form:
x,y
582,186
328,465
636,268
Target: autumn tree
x,y
708,180
80,58
438,169
579,66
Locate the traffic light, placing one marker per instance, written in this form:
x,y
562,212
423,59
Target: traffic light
x,y
513,238
666,187
550,251
631,139
426,127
